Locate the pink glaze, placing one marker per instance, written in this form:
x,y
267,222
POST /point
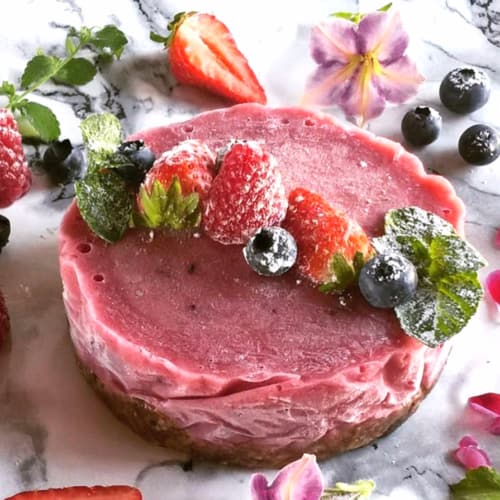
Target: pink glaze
x,y
184,324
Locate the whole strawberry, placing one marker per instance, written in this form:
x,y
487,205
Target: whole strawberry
x,y
203,53
15,176
175,187
332,247
247,194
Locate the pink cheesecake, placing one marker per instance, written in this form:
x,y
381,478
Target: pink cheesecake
x,y
197,352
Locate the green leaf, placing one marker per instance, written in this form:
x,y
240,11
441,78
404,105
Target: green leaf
x,y
7,89
155,37
36,121
359,490
70,45
385,8
452,255
168,208
38,70
109,41
78,71
342,272
416,222
105,204
482,483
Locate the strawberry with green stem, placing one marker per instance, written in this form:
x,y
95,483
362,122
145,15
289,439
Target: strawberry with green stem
x,y
202,52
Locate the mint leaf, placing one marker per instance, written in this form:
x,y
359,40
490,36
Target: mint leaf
x,y
36,121
416,222
109,41
105,204
102,134
39,70
451,255
482,483
359,490
7,89
168,207
78,71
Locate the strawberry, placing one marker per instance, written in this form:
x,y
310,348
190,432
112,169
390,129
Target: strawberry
x,y
203,53
246,195
173,188
15,176
82,492
331,246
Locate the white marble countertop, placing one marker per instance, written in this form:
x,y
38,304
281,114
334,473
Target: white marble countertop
x,y
53,429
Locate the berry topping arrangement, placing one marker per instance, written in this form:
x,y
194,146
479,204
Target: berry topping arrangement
x,y
210,218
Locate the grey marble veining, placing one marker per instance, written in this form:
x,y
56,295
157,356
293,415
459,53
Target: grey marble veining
x,y
53,429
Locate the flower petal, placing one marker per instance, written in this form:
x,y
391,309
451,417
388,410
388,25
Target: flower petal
x,y
383,34
334,40
300,480
399,80
493,285
363,98
470,455
494,427
328,83
488,403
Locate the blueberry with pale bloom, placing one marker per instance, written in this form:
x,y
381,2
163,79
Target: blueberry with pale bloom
x,y
362,66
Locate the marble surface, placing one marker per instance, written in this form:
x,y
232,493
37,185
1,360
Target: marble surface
x,y
53,430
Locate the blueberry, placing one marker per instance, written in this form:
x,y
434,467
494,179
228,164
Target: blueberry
x,y
421,126
272,251
4,231
388,280
479,145
137,160
464,90
62,162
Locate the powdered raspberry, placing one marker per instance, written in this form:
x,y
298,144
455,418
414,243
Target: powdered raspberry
x,y
15,176
191,161
246,195
331,245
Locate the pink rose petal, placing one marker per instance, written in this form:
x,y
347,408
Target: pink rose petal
x,y
488,403
494,427
470,455
493,285
300,480
383,33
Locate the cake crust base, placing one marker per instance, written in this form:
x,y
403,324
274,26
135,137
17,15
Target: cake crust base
x,y
157,428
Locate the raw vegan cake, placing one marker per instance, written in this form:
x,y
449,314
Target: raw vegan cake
x,y
196,351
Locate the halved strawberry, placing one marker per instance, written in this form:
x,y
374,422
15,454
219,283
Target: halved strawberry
x,y
179,180
331,246
202,52
82,492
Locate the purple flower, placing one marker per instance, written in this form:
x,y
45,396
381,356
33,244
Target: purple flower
x,y
361,66
300,480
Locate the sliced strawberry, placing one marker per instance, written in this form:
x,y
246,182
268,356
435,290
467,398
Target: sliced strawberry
x,y
331,246
172,193
247,194
82,492
202,52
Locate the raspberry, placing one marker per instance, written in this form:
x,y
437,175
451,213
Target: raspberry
x,y
191,161
246,195
15,176
331,246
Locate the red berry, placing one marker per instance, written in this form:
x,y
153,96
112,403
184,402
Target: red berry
x,y
246,195
15,176
82,492
321,232
191,161
202,52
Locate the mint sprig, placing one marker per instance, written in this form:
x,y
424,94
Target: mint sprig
x,y
449,291
481,483
36,121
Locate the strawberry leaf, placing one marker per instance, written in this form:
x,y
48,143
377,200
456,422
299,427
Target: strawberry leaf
x,y
105,204
36,121
78,71
39,70
482,483
168,208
